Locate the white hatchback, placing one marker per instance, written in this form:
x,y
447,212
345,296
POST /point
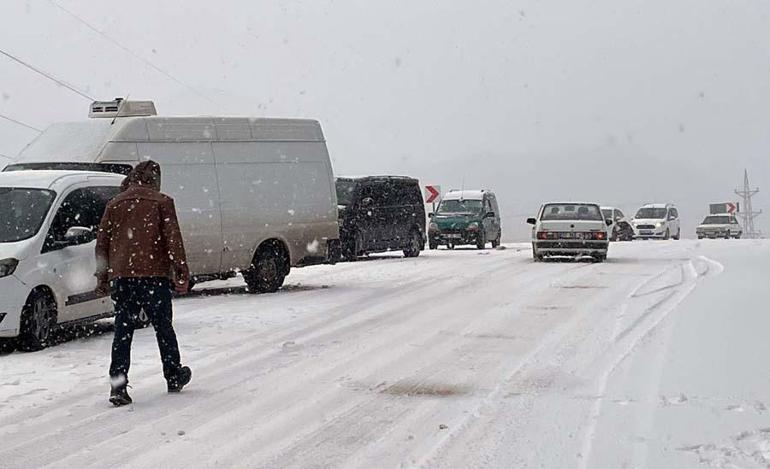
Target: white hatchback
x,y
48,222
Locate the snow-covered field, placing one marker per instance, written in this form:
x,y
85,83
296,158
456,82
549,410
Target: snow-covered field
x,y
657,358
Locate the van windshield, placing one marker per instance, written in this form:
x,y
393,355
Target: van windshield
x,y
460,206
22,212
571,212
345,190
651,213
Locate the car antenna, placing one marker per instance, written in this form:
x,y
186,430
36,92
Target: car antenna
x,y
120,107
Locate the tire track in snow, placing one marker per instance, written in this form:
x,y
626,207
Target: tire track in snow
x,y
627,340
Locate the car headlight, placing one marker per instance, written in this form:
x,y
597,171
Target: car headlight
x,y
659,224
8,267
473,226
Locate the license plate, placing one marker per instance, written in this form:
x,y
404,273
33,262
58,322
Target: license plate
x,y
566,235
454,236
647,232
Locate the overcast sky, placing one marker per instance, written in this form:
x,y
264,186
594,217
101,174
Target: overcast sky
x,y
620,103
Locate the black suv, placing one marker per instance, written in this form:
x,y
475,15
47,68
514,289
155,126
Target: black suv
x,y
380,213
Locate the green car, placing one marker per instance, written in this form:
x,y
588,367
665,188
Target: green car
x,y
465,217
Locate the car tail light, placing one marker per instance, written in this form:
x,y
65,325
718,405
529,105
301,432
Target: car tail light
x,y
600,235
547,235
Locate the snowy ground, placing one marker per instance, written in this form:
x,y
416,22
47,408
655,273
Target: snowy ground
x,y
657,358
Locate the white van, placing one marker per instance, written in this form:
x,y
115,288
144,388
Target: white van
x,y
252,195
48,221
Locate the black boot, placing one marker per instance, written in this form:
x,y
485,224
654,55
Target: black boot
x,y
119,396
183,377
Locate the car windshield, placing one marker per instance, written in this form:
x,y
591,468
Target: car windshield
x,y
571,212
717,220
607,214
22,212
460,206
651,213
345,191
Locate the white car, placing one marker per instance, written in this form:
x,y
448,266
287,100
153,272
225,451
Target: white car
x,y
659,221
48,222
719,226
571,229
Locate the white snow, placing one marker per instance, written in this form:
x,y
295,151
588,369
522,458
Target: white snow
x,y
656,358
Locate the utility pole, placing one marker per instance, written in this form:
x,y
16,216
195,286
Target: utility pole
x,y
747,213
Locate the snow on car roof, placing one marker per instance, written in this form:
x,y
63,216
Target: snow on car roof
x,y
47,179
467,195
657,205
570,202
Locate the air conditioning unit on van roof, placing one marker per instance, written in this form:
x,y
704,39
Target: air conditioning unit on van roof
x,y
121,108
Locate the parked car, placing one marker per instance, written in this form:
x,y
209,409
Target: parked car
x,y
253,195
659,221
48,222
570,229
380,213
466,217
620,229
719,226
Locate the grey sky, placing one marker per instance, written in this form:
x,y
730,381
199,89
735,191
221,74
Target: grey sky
x,y
617,102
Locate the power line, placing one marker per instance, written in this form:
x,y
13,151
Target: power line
x,y
17,122
131,52
47,75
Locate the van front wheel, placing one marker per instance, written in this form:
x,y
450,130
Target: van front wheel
x,y
267,273
38,320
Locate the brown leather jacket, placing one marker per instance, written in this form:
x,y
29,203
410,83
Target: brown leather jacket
x,y
139,234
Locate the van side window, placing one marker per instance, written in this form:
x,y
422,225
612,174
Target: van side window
x,y
82,207
674,213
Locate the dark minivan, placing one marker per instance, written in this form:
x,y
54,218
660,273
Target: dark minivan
x,y
380,213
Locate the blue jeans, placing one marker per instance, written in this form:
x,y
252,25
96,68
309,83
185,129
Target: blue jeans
x,y
131,295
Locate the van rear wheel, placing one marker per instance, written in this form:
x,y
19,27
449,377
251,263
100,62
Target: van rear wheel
x,y
38,320
267,272
415,245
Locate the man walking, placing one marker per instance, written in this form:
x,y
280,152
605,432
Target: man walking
x,y
139,250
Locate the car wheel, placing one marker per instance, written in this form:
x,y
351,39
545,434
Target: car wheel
x,y
496,241
614,235
7,346
38,320
535,256
415,245
667,235
678,234
450,245
352,248
481,241
266,274
600,258
432,245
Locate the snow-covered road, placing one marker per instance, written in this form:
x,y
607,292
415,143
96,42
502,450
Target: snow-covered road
x,y
454,359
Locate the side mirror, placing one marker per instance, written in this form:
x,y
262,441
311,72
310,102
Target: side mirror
x,y
367,201
78,235
431,215
531,221
609,221
489,215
